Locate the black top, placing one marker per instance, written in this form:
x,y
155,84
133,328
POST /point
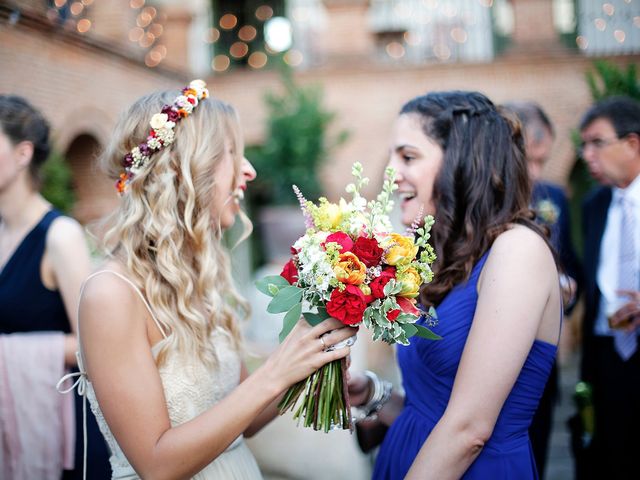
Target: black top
x,y
26,305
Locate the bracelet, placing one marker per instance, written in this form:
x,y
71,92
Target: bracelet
x,y
381,393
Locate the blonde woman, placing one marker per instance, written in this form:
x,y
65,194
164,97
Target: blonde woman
x,y
159,340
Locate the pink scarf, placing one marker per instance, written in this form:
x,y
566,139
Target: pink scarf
x,y
37,424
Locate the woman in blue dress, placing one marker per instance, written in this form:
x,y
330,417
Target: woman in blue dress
x,y
470,397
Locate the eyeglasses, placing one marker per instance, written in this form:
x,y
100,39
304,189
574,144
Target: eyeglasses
x,y
598,144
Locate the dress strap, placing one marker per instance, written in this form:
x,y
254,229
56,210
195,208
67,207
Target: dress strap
x,y
137,290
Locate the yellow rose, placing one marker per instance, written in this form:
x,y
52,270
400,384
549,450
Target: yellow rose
x,y
400,249
410,281
349,269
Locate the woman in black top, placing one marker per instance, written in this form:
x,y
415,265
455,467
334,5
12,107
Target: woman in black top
x,y
43,254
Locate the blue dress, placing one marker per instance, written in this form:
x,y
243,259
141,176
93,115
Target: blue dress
x,y
429,369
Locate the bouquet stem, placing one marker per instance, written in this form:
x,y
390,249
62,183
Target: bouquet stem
x,y
321,401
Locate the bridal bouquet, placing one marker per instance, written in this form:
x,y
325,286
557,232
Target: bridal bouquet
x,y
350,265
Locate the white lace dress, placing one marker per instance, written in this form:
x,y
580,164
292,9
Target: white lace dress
x,y
190,388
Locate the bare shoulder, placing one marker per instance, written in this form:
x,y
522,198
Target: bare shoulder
x,y
522,244
66,235
523,254
65,231
108,300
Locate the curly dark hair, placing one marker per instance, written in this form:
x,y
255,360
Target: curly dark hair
x,y
21,122
482,188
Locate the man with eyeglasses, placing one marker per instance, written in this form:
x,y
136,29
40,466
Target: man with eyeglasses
x,y
610,133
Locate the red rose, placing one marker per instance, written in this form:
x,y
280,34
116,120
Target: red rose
x,y
368,251
393,314
341,239
378,283
348,305
290,272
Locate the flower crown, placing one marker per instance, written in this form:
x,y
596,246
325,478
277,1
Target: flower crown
x,y
161,134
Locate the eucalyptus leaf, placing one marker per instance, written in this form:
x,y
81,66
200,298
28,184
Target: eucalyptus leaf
x,y
285,299
409,329
426,333
290,320
265,284
315,318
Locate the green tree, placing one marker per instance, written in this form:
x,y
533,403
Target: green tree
x,y
296,144
56,183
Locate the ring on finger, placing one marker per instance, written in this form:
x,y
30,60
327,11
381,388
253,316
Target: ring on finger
x,y
324,345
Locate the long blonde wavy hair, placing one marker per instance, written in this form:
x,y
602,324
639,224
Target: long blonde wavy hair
x,y
164,231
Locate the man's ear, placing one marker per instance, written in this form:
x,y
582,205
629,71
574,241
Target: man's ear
x,y
24,152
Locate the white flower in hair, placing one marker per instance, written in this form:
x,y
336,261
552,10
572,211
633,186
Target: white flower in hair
x,y
154,143
183,102
159,120
198,84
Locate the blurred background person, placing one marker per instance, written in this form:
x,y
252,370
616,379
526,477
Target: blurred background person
x,y
43,260
610,133
551,206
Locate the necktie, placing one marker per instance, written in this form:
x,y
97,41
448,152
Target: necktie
x,y
627,343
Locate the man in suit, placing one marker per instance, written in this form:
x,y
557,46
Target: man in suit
x,y
552,210
610,132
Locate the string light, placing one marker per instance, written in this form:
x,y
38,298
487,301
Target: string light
x,y
60,3
156,29
86,3
619,35
257,60
600,24
442,51
239,49
486,3
212,35
608,9
84,25
636,21
136,3
395,50
582,42
293,57
247,33
76,8
264,13
228,21
135,34
459,35
220,63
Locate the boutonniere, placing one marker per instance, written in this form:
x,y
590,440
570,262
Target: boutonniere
x,y
547,211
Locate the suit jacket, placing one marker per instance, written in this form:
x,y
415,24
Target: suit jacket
x,y
594,219
560,229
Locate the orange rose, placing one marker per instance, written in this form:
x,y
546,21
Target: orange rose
x,y
349,269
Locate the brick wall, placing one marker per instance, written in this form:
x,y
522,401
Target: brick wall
x,y
367,99
81,88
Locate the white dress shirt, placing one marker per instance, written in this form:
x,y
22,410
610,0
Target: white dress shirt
x,y
607,276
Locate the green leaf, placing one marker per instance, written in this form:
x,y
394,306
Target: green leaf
x,y
265,284
409,329
424,332
290,320
315,318
285,299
